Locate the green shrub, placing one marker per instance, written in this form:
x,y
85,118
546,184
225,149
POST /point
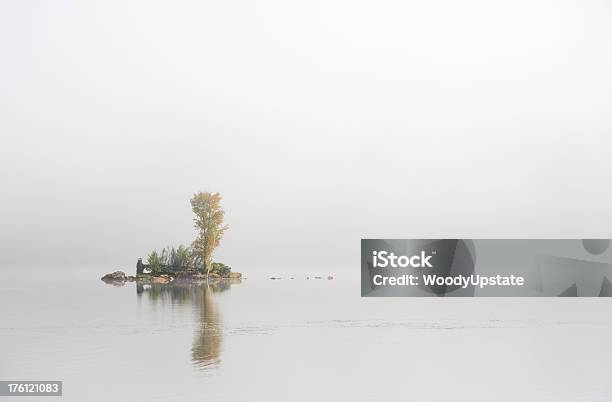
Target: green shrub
x,y
180,259
154,261
221,269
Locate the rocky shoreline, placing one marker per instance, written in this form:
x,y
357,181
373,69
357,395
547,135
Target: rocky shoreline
x,y
119,278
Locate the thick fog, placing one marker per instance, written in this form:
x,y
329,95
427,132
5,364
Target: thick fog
x,y
320,123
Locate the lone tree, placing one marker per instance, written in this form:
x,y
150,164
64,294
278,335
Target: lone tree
x,y
209,221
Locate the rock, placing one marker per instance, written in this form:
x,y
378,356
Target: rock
x,y
139,267
117,276
317,277
214,275
275,278
187,275
143,278
235,275
130,278
162,279
329,278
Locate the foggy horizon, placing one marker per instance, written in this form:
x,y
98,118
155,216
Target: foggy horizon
x,y
319,124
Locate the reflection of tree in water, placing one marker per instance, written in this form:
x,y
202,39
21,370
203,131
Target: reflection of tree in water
x,y
207,342
206,347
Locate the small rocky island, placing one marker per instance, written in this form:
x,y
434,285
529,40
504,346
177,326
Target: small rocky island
x,y
168,273
194,263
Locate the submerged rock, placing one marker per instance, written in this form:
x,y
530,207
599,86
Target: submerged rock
x,y
115,283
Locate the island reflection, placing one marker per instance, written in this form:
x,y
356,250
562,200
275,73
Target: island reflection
x,y
206,348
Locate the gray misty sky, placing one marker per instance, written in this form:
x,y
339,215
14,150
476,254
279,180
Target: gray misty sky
x,y
319,122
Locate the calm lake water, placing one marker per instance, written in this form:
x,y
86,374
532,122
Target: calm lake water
x,y
296,340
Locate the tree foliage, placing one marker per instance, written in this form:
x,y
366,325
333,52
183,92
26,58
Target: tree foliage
x,y
173,259
182,258
221,269
209,217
